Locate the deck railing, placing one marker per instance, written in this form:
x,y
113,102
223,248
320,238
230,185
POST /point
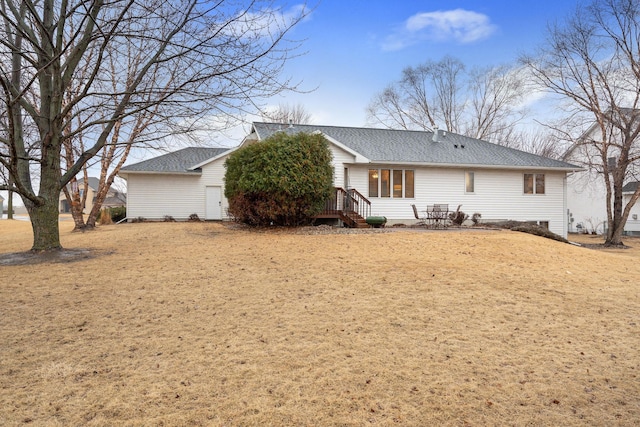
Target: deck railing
x,y
347,202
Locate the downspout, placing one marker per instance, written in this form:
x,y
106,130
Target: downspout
x,y
565,210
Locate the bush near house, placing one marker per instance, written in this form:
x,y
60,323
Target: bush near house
x,y
117,213
284,180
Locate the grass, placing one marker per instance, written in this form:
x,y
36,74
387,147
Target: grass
x,y
200,324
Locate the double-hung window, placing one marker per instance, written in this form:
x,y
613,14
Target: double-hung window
x,y
534,183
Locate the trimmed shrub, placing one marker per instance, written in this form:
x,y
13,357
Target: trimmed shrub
x,y
117,213
283,180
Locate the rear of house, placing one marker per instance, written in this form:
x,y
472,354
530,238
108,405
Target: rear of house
x,y
390,169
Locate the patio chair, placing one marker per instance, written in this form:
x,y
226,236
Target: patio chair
x,y
421,220
437,215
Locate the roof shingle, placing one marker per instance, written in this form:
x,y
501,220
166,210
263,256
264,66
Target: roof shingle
x,y
403,146
177,162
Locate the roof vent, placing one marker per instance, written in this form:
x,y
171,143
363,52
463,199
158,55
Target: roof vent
x,y
438,134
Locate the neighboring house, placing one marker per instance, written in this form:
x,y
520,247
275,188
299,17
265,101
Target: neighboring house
x,y
391,169
1,205
114,198
632,227
586,190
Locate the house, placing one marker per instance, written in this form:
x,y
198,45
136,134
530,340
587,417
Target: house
x,y
388,170
586,189
179,184
1,205
114,198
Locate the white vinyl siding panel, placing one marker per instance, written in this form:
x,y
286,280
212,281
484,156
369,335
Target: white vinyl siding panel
x,y
154,196
341,160
498,195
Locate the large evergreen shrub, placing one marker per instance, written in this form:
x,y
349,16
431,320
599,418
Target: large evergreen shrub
x,y
283,180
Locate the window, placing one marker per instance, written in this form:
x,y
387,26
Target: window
x,y
385,183
373,182
408,184
396,183
539,183
533,183
469,184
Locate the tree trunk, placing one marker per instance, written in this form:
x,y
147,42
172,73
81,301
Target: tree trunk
x,y
43,211
614,233
44,222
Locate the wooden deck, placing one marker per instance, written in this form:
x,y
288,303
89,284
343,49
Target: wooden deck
x,y
349,206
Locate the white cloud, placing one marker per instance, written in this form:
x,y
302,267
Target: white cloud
x,y
459,25
267,22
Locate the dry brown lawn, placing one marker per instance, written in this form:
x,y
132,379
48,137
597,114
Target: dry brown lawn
x,y
179,324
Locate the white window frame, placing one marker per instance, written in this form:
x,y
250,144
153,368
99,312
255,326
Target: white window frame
x,y
473,182
391,171
535,186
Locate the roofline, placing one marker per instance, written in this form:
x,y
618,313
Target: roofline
x,y
358,157
214,158
476,166
189,173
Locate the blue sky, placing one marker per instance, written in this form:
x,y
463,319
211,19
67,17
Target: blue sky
x,y
356,48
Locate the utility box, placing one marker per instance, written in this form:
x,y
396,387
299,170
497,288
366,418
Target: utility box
x,y
376,221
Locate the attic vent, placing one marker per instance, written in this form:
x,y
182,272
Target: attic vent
x,y
611,162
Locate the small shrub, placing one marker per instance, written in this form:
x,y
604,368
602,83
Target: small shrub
x,y
475,218
139,219
117,214
458,217
105,217
169,218
194,217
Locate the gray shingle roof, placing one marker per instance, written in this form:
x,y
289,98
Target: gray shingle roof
x,y
388,146
630,187
177,162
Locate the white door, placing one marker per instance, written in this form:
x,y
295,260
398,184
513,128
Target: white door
x,y
213,203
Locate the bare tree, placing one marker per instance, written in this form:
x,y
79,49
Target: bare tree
x,y
423,97
477,103
226,55
494,97
286,113
592,61
146,128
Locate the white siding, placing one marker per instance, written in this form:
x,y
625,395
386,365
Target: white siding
x,y
586,201
153,196
341,159
498,195
213,174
